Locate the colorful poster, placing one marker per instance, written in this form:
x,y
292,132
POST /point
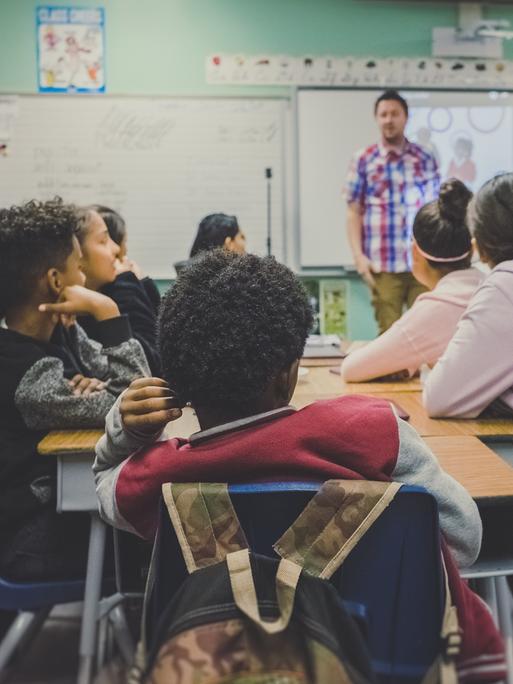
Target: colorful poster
x,y
312,287
71,49
333,320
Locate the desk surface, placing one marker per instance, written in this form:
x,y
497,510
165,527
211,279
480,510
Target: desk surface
x,y
455,443
474,465
483,474
69,441
321,381
411,402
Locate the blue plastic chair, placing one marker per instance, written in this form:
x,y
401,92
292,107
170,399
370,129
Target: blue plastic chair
x,y
394,572
33,601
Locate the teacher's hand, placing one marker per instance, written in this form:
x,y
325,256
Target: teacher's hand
x,y
364,267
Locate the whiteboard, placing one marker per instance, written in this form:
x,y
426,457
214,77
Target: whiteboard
x,y
163,163
331,127
334,124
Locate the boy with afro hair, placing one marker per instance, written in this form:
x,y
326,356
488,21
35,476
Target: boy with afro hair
x,y
232,332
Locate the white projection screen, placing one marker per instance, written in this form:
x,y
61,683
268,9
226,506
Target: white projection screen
x,y
470,133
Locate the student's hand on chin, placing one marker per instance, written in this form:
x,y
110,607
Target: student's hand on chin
x,y
148,405
126,264
76,300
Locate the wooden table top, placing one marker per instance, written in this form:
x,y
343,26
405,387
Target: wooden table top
x,y
455,442
322,381
69,441
483,473
411,402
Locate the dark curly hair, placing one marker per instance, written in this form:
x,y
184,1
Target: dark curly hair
x,y
34,237
229,325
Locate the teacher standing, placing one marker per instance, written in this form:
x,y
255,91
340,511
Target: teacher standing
x,y
387,184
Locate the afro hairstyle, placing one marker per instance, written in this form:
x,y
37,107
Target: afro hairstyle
x,y
229,325
34,237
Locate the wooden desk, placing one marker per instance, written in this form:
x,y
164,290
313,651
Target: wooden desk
x,y
320,382
474,465
411,402
484,474
61,442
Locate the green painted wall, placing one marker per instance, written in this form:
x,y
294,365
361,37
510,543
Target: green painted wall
x,y
159,47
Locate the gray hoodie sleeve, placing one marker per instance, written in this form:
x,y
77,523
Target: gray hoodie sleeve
x,y
46,401
112,449
459,517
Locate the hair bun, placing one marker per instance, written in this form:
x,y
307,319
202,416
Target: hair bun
x,y
453,200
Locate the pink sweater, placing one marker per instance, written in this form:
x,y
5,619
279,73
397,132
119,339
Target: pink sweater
x,y
477,366
420,335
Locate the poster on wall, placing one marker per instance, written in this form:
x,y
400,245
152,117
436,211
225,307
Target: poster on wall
x,y
71,49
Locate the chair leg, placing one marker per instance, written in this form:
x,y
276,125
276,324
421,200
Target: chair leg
x,y
122,634
487,590
22,630
87,648
504,605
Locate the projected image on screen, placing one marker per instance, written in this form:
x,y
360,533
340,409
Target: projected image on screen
x,y
469,143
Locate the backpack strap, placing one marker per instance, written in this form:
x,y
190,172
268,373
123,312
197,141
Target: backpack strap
x,y
244,593
209,532
443,670
333,522
205,522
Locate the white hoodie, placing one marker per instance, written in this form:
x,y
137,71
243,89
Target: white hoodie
x,y
477,366
421,335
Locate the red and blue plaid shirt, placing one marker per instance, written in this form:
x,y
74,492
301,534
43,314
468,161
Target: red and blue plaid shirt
x,y
390,186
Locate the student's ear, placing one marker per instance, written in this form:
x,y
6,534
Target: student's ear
x,y
287,381
54,282
416,256
228,243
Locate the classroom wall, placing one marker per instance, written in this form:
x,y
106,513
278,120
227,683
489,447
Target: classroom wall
x,y
159,47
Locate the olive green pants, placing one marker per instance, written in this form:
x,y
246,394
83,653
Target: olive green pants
x,y
391,294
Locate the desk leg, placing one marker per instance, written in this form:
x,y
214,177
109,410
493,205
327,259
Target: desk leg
x,y
486,589
504,605
92,595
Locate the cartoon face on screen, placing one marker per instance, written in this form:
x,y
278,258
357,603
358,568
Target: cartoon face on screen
x,y
462,166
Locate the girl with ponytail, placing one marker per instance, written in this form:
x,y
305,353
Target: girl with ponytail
x,y
442,254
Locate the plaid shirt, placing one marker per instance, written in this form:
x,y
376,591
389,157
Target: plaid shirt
x,y
390,187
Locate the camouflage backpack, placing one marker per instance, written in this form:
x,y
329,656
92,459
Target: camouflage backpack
x,y
243,618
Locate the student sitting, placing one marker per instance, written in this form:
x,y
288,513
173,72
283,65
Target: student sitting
x,y
215,230
100,266
52,377
117,230
476,371
234,352
441,253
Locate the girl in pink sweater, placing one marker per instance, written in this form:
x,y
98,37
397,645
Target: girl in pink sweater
x,y
475,373
441,254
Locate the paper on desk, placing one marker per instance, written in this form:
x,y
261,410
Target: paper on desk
x,y
323,340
